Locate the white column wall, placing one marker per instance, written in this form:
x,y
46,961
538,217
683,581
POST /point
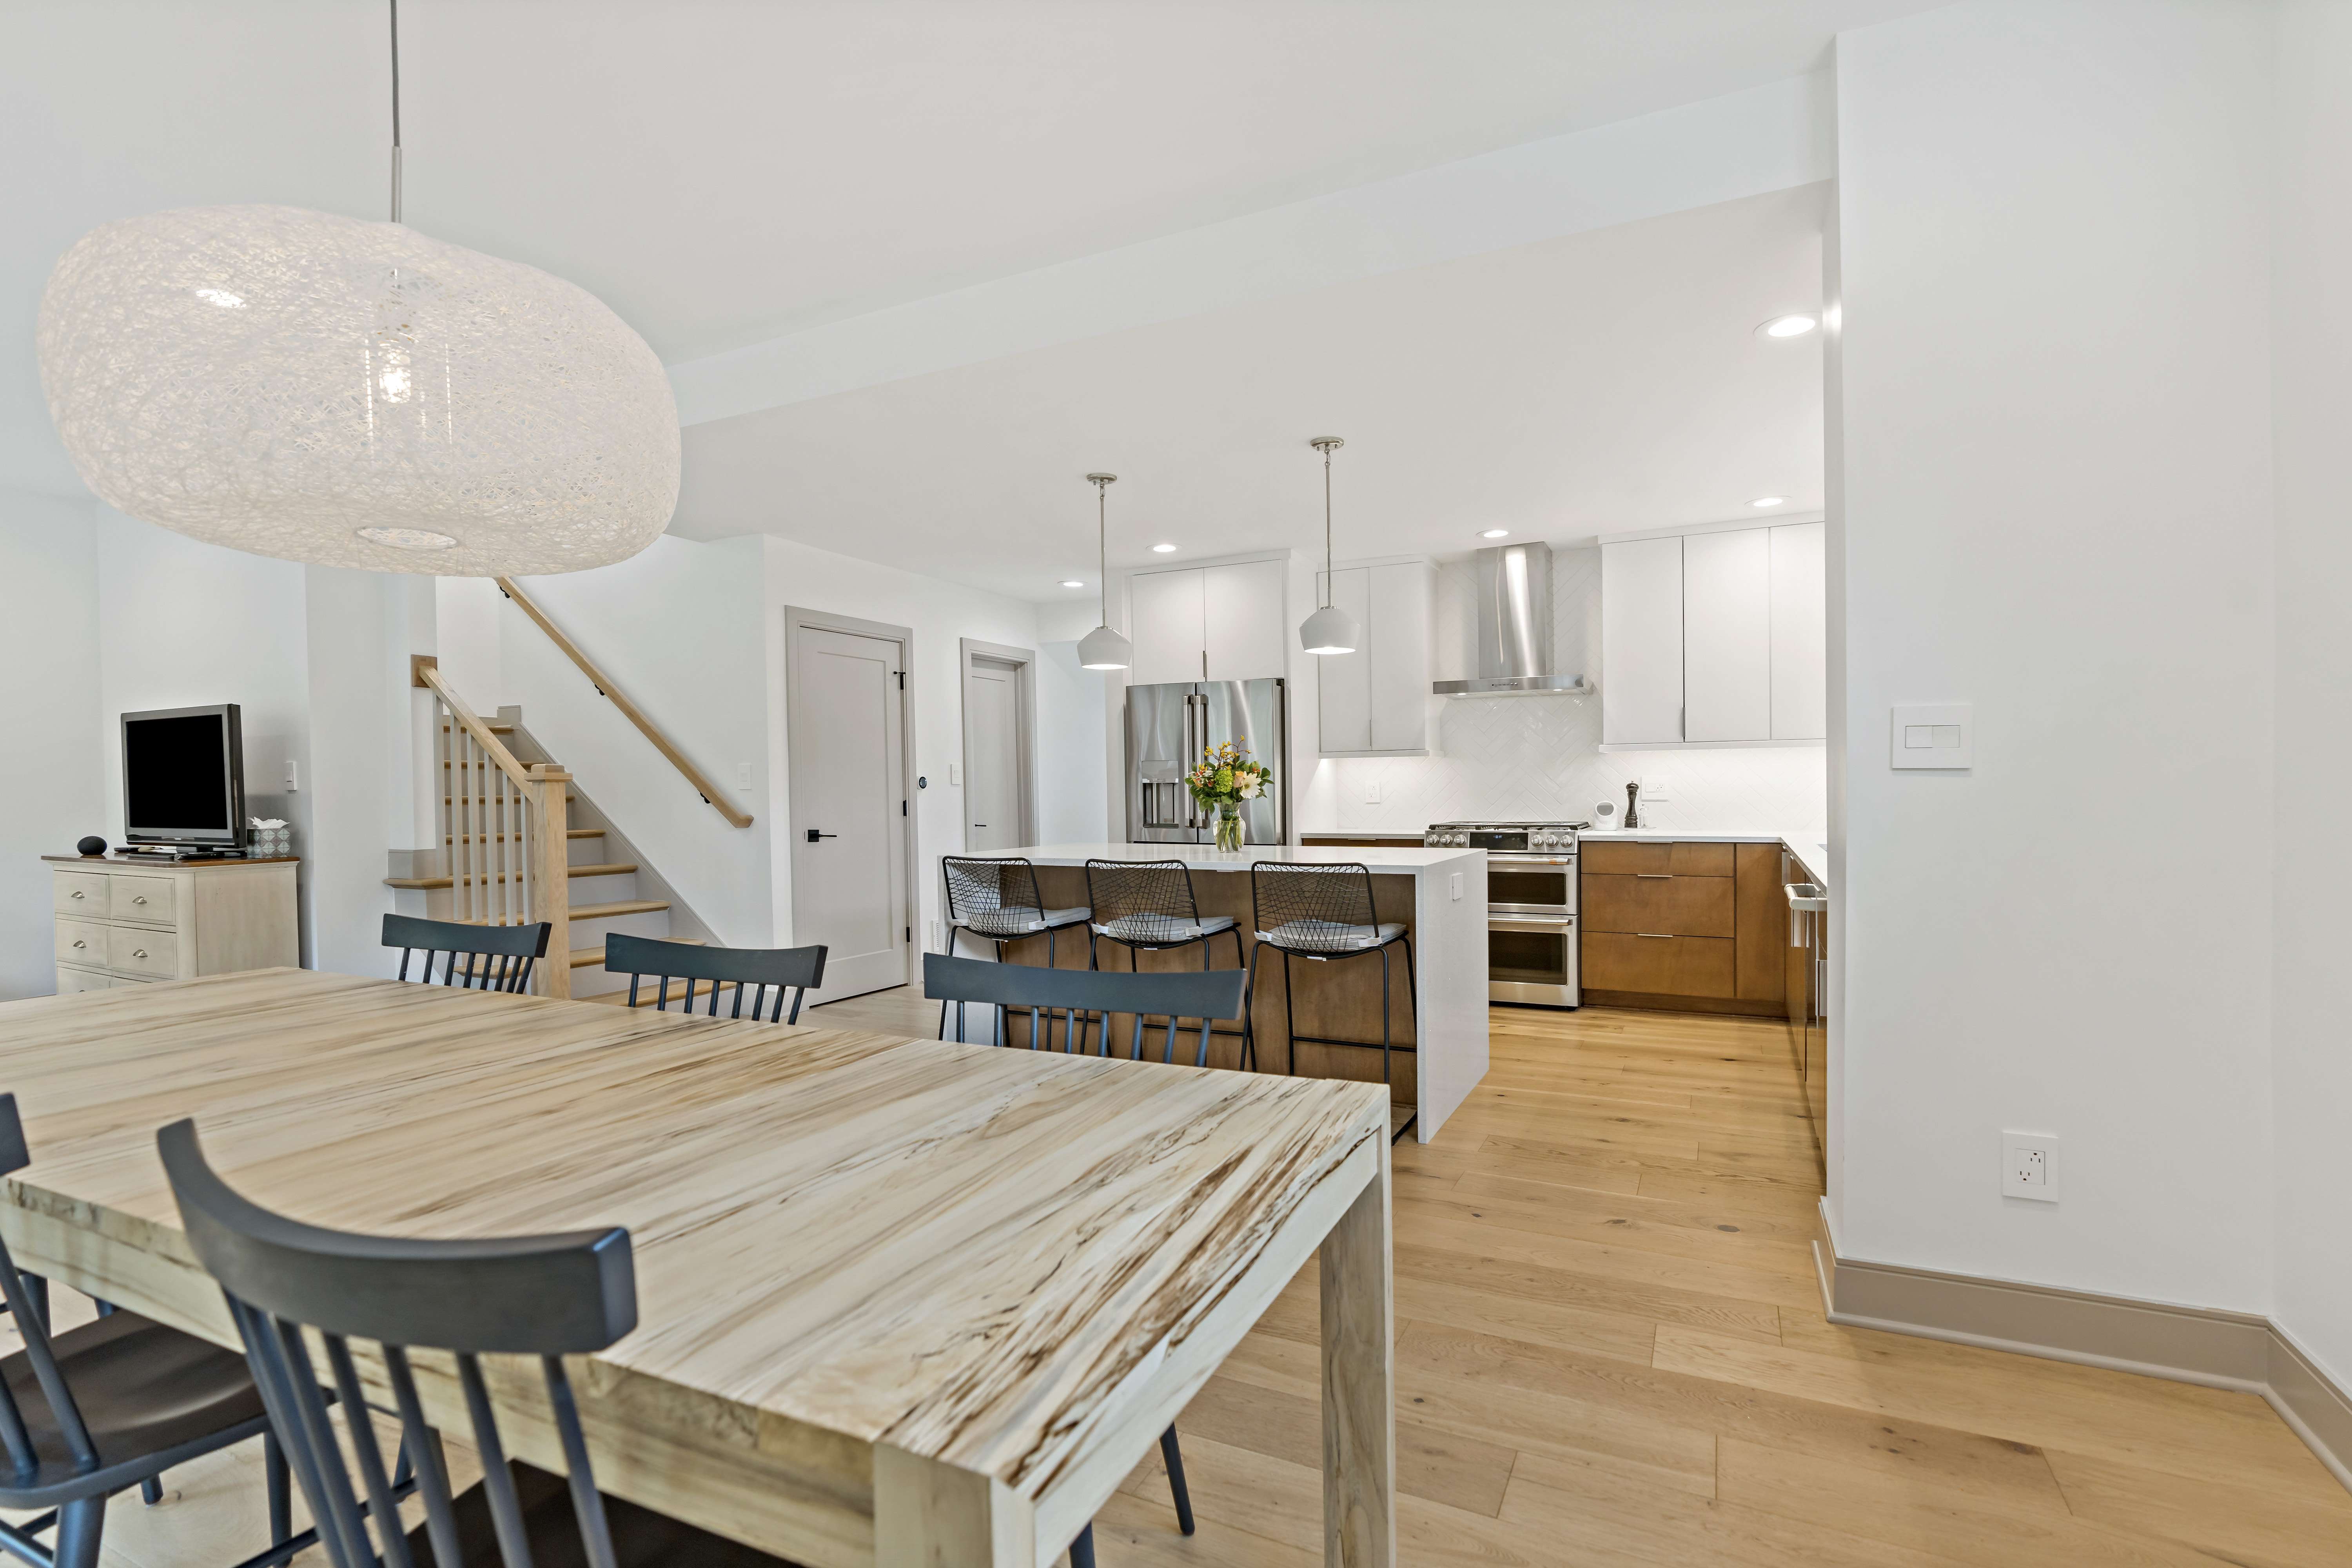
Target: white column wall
x,y
2056,503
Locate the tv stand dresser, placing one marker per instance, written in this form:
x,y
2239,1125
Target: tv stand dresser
x,y
126,922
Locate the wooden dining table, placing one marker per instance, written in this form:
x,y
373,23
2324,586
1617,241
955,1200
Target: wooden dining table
x,y
901,1301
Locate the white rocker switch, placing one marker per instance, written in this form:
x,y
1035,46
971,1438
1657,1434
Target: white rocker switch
x,y
1933,736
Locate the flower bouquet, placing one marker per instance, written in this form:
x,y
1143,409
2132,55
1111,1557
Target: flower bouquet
x,y
1226,777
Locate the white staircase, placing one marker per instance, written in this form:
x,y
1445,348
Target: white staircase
x,y
610,888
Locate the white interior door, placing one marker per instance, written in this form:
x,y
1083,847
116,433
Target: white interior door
x,y
1642,641
1727,636
847,730
995,817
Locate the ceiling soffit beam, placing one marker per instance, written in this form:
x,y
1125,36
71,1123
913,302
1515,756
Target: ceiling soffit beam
x,y
1769,137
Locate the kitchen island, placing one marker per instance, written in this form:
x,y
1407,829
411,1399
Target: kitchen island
x,y
1439,894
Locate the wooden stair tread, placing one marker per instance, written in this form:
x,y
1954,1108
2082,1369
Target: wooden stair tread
x,y
614,867
625,906
593,958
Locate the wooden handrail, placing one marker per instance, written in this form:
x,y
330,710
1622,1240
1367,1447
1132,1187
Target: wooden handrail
x,y
710,792
428,675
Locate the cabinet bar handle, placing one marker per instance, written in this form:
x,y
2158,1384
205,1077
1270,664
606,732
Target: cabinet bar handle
x,y
1655,875
1657,935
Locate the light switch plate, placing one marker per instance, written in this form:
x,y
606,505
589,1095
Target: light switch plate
x,y
1454,885
742,776
1932,736
955,772
293,775
2029,1166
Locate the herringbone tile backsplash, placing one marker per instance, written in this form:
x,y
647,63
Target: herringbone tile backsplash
x,y
1541,758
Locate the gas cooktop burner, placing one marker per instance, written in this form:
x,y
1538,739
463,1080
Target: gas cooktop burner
x,y
1503,837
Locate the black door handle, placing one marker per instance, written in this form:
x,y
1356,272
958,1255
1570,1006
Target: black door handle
x,y
814,835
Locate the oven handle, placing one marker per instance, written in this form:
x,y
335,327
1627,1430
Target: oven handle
x,y
1507,859
1565,922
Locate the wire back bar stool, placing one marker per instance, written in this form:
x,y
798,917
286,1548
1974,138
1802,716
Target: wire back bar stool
x,y
760,971
997,898
1322,913
497,957
1149,904
542,1296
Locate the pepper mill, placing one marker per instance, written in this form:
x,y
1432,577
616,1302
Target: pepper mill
x,y
1632,802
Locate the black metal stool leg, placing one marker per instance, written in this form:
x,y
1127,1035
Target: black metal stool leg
x,y
1249,1012
151,1490
1384,1014
1183,1495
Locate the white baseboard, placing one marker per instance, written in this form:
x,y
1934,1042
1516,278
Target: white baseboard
x,y
2188,1344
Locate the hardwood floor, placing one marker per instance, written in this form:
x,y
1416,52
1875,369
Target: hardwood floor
x,y
1611,1351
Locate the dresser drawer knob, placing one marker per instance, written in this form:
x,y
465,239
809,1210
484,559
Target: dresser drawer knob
x,y
80,943
77,892
138,952
135,898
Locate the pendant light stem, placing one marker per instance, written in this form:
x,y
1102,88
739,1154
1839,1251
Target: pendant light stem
x,y
1326,524
1102,547
395,110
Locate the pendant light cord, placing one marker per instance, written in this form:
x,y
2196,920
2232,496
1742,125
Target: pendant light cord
x,y
1327,526
395,110
1102,546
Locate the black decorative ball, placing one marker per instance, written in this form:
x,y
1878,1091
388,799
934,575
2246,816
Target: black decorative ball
x,y
92,845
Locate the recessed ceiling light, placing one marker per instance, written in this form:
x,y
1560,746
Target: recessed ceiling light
x,y
1161,550
1072,582
1495,533
1762,502
1790,326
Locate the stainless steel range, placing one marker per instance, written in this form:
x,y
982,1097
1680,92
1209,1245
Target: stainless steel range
x,y
1531,943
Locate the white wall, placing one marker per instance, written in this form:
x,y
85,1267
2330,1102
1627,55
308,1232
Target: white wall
x,y
50,792
1539,757
183,623
680,629
357,633
2057,504
939,614
1073,748
2312,388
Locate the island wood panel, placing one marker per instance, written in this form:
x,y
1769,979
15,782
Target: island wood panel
x,y
1339,997
1667,905
1630,858
1762,926
867,1267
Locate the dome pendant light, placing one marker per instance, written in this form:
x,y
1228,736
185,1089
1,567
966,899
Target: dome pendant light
x,y
1102,648
1330,629
321,389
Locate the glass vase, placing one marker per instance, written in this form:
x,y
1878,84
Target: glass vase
x,y
1230,831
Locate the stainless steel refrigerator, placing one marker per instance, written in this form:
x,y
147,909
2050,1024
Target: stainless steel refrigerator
x,y
1168,728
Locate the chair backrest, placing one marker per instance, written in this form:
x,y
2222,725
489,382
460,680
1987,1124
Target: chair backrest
x,y
548,1296
1151,900
757,969
14,1435
1315,906
1078,994
982,887
497,957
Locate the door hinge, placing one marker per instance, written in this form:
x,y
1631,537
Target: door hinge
x,y
910,933
902,807
902,678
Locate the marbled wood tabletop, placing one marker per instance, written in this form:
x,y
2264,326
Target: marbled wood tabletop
x,y
961,1251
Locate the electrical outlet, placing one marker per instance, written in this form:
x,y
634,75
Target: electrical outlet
x,y
1372,793
742,776
1454,886
1657,789
293,776
955,773
2029,1166
938,934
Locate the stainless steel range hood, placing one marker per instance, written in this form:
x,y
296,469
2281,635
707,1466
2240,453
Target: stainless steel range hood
x,y
1514,629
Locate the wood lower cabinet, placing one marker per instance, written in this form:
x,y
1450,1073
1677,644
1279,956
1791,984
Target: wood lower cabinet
x,y
1689,926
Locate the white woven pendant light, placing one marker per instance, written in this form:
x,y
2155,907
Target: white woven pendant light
x,y
328,389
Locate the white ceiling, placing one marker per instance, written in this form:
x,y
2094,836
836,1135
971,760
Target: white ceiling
x,y
722,170
1604,382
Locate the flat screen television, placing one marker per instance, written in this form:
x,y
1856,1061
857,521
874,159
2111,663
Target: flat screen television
x,y
184,777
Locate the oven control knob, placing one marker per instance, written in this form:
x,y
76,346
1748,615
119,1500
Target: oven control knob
x,y
1461,840
1543,840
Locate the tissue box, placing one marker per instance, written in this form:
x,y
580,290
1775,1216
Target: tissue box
x,y
267,842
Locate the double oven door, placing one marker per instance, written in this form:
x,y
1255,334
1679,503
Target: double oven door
x,y
1531,945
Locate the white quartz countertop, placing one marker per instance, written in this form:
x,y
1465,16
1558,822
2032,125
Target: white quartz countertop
x,y
1810,845
1398,862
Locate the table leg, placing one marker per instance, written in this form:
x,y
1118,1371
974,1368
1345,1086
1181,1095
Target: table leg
x,y
930,1515
1359,1383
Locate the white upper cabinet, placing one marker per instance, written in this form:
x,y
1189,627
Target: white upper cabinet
x,y
1247,627
1714,638
1171,615
1375,701
1800,632
1208,624
1642,641
1727,636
